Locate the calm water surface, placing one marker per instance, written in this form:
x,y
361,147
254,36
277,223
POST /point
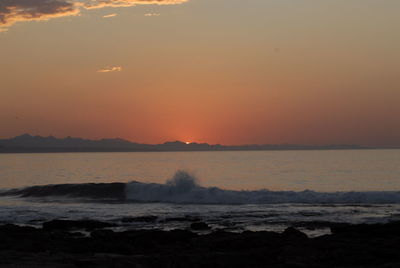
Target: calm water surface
x,y
321,171
336,170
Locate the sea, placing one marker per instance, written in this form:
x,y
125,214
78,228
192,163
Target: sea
x,y
233,191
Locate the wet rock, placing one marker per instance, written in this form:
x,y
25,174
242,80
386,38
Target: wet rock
x,y
181,219
350,246
140,219
71,224
381,230
101,234
312,225
12,228
293,233
199,226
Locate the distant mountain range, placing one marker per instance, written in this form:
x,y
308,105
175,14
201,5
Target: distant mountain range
x,y
27,143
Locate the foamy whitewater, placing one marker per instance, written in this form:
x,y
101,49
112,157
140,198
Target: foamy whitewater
x,y
101,187
183,188
181,201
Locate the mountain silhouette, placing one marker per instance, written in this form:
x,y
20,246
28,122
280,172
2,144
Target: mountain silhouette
x,y
27,143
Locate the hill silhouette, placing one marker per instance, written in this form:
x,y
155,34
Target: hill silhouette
x,y
27,143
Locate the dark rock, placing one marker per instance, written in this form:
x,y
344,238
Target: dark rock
x,y
70,224
182,219
199,226
101,234
312,225
381,230
293,233
140,219
11,228
349,246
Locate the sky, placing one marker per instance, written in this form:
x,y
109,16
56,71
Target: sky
x,y
215,71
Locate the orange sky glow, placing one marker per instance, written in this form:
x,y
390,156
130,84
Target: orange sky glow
x,y
228,71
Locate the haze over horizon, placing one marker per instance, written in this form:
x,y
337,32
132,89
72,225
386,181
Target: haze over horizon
x,y
219,72
27,136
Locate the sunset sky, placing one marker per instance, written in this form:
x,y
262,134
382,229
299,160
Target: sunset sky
x,y
216,71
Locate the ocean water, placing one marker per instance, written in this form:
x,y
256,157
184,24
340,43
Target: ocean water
x,y
235,191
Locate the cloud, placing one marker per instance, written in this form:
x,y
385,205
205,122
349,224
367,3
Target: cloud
x,y
110,69
13,11
90,4
152,14
110,15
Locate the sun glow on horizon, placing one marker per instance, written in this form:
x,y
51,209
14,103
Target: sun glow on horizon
x,y
101,68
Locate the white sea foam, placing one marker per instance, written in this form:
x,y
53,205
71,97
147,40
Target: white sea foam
x,y
184,188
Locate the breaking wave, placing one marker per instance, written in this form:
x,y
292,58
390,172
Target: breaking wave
x,y
184,188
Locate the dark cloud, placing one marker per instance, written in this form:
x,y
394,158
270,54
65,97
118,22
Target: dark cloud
x,y
13,11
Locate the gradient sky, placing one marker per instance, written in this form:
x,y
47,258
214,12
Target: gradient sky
x,y
216,71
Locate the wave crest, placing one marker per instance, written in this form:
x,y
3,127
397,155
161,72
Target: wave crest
x,y
184,188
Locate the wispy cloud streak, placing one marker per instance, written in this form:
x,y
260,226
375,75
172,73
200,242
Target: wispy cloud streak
x,y
109,15
90,4
110,69
13,11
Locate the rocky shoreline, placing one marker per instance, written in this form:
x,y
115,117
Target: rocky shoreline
x,y
89,243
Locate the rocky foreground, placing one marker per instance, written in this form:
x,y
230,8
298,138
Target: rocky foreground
x,y
91,244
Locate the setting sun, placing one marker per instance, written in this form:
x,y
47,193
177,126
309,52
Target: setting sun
x,y
201,133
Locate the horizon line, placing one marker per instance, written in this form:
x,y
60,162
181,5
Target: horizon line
x,y
200,143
